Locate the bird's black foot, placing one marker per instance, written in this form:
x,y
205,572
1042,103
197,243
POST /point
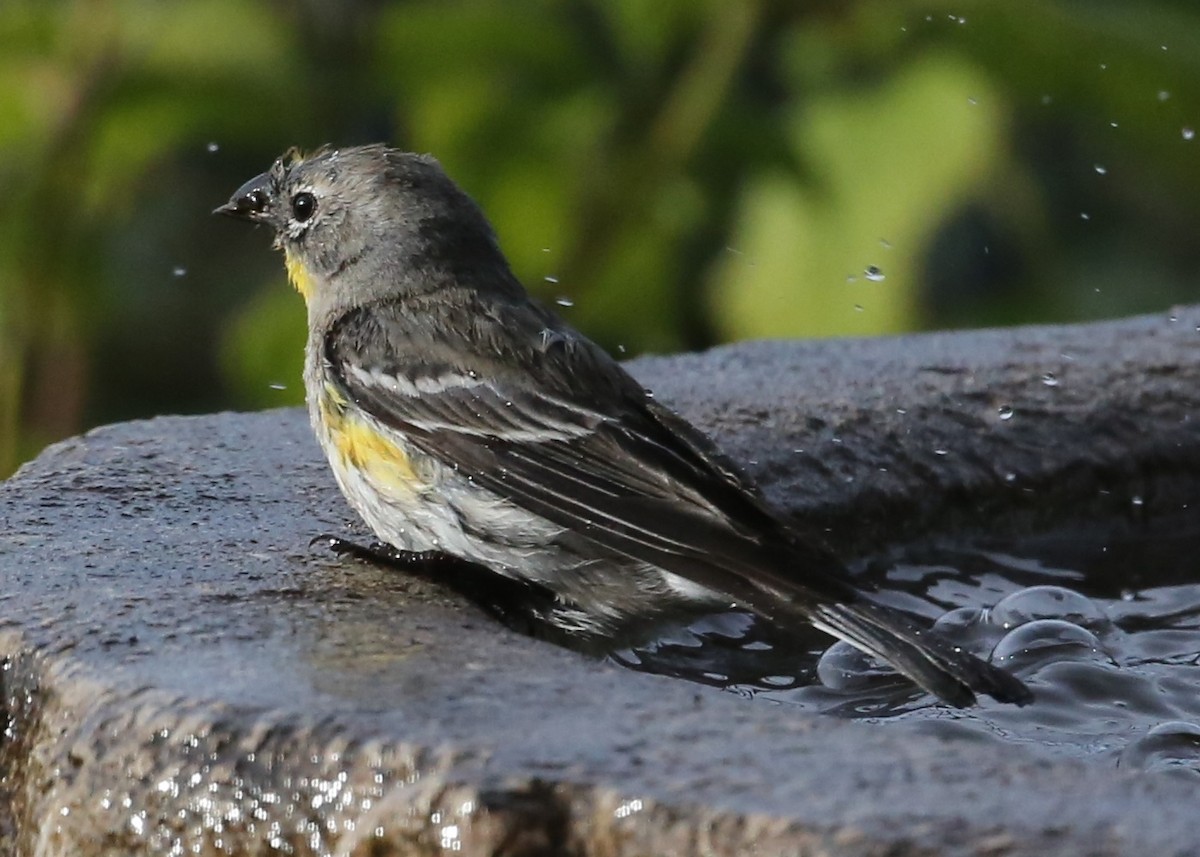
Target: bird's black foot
x,y
523,606
421,563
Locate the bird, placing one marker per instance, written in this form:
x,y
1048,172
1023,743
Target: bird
x,y
463,418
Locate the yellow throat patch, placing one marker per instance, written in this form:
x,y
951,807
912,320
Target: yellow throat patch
x,y
298,275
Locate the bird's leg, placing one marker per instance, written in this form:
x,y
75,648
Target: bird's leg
x,y
519,605
420,563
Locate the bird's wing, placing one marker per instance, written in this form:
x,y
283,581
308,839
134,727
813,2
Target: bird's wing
x,y
535,413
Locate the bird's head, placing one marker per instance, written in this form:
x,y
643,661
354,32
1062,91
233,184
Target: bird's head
x,y
367,222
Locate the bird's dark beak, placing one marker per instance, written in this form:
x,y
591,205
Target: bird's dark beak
x,y
250,201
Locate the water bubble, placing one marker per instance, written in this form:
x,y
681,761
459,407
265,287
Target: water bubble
x,y
1050,379
1046,641
972,100
179,271
212,148
858,307
564,301
1010,477
1170,746
1005,412
550,279
969,628
873,274
1049,602
1083,215
843,667
941,452
851,278
1137,500
885,244
1163,94
1100,169
1047,100
1189,133
275,385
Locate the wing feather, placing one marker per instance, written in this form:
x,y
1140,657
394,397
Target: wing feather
x,y
598,457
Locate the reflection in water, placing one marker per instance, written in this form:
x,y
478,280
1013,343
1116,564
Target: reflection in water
x,y
1111,652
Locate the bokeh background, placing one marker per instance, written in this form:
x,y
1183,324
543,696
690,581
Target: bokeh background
x,y
675,173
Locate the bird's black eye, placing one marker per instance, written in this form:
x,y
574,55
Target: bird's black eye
x,y
303,206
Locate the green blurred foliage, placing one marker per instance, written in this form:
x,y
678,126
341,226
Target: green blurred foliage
x,y
682,172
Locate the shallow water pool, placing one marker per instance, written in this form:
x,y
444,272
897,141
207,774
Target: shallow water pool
x,y
1103,624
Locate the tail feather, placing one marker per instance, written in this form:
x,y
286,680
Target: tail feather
x,y
931,661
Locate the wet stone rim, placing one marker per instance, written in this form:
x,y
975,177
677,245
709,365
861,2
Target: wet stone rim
x,y
156,578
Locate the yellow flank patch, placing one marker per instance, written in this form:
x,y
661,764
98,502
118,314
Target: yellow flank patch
x,y
298,275
364,449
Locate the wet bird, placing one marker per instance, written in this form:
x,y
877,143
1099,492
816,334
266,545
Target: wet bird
x,y
462,418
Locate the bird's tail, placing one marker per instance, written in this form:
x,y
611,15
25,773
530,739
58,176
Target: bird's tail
x,y
931,661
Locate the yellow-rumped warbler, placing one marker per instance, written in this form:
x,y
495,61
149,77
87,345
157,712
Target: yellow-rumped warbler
x,y
459,416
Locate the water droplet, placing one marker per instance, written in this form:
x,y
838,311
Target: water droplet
x,y
843,667
851,278
1050,379
179,271
1049,602
1103,66
620,348
1137,500
873,274
564,301
213,148
550,279
972,100
901,411
1189,133
1045,641
275,385
1010,477
1113,124
1163,95
1047,100
1005,412
941,452
1170,746
1100,169
858,307
885,244
1083,215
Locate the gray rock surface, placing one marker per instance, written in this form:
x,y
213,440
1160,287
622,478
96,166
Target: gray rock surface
x,y
182,674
